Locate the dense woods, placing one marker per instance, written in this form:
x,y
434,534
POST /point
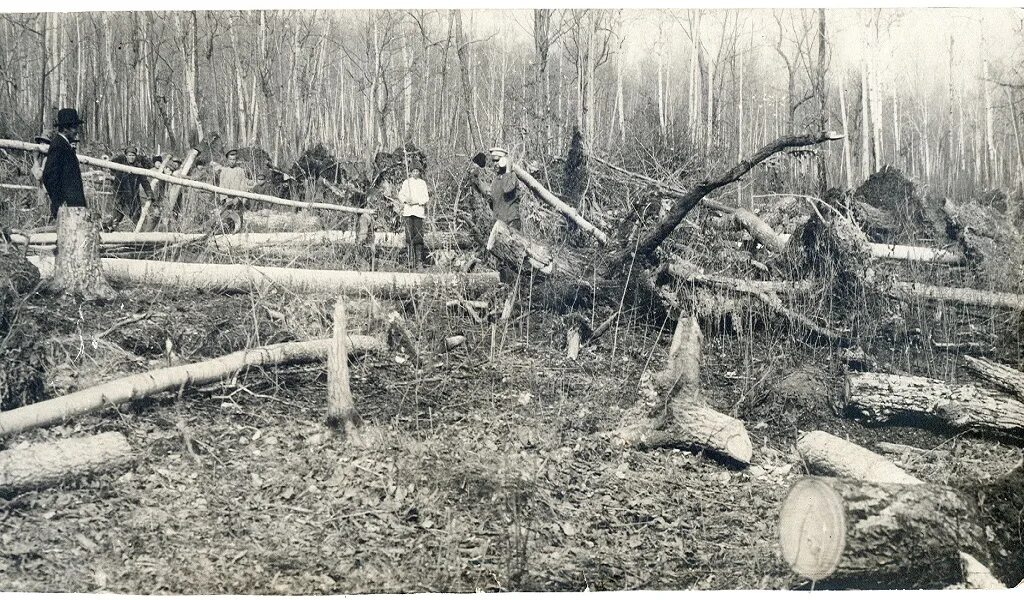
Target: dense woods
x,y
691,87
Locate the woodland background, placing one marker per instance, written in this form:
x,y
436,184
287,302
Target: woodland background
x,y
934,92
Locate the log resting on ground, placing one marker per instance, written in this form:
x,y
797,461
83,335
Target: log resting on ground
x,y
42,465
1002,376
826,454
869,534
381,239
142,385
513,247
113,166
685,418
884,398
913,292
243,278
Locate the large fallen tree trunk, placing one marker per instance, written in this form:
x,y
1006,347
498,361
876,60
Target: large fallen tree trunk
x,y
913,292
42,465
685,202
513,248
244,241
106,164
885,398
826,454
570,212
685,418
142,385
1002,376
868,534
242,278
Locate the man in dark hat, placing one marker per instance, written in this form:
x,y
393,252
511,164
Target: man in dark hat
x,y
127,198
62,176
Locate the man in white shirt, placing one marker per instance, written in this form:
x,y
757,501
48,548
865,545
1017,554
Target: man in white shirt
x,y
414,197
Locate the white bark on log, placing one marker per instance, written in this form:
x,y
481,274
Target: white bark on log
x,y
243,241
174,191
572,343
242,278
559,205
106,164
17,186
77,269
977,576
826,454
917,291
142,385
1002,376
881,398
42,465
866,533
513,247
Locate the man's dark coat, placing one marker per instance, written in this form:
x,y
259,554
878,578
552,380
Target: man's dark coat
x,y
62,176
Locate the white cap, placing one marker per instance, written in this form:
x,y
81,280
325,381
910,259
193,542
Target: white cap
x,y
503,162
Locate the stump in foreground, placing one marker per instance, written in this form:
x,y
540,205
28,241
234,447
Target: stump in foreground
x,y
77,269
341,410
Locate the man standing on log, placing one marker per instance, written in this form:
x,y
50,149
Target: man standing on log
x,y
505,193
62,176
414,197
127,199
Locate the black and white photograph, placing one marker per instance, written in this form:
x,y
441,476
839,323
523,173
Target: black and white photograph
x,y
309,299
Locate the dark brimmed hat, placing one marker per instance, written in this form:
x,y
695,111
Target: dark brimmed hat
x,y
67,117
42,139
131,150
230,152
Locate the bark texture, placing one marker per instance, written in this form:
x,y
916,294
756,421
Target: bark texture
x,y
77,270
42,465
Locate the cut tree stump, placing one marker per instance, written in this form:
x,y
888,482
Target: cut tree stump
x,y
243,278
142,385
512,247
1002,376
43,465
826,454
884,398
77,270
685,419
866,534
341,410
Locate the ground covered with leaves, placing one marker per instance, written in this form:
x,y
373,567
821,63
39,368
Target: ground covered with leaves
x,y
484,469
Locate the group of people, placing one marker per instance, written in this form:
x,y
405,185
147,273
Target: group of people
x,y
62,177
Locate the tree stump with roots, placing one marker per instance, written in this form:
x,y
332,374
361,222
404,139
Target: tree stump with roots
x,y
77,269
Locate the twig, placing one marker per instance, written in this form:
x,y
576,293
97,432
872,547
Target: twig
x,y
123,322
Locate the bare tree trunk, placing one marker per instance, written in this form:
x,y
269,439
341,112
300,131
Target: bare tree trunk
x,y
847,162
341,410
77,269
462,49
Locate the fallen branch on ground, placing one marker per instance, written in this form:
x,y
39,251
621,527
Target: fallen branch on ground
x,y
826,454
142,385
49,463
559,205
255,240
1002,376
242,278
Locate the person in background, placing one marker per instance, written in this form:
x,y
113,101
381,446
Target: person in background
x,y
233,177
505,191
127,197
61,173
414,197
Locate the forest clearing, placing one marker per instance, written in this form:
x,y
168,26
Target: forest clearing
x,y
390,301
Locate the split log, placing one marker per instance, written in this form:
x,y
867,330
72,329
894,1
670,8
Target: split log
x,y
341,410
243,278
106,164
685,202
570,212
248,241
513,248
1002,376
826,454
174,191
142,385
869,534
77,268
46,464
685,418
885,398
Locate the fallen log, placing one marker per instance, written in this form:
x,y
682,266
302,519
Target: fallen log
x,y
885,398
912,292
106,164
826,454
46,464
174,191
243,278
1003,377
17,186
142,385
869,534
255,240
685,419
513,248
570,212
